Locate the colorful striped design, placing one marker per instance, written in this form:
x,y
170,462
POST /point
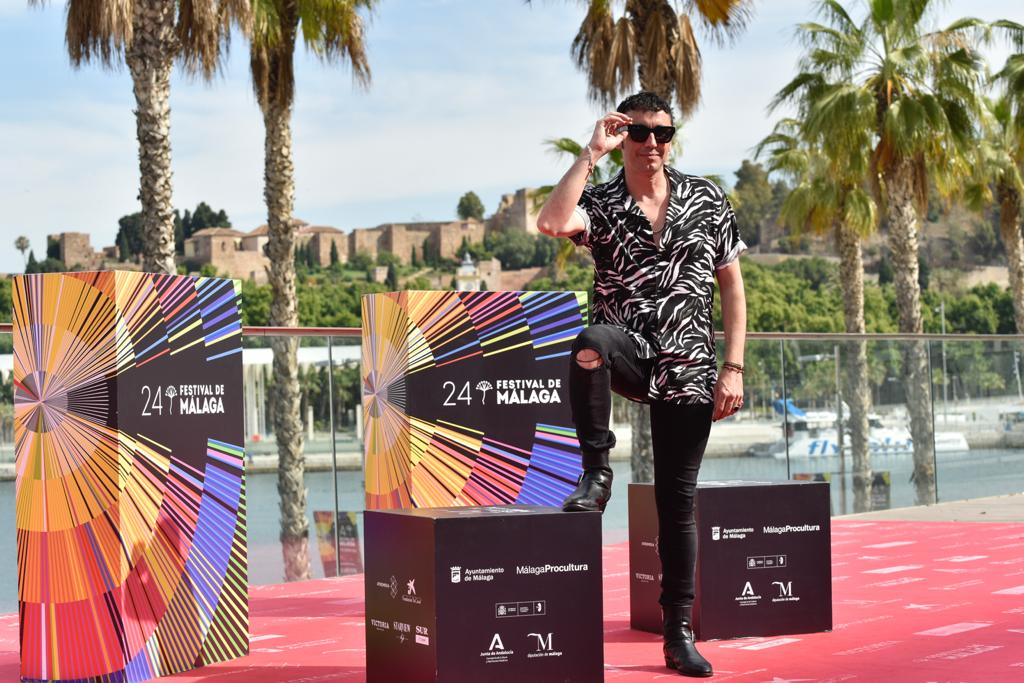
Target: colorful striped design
x,y
131,555
419,460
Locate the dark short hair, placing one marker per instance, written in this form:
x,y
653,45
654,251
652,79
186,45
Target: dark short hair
x,y
645,101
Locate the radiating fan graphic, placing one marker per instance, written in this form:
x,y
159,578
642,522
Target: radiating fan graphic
x,y
125,547
415,461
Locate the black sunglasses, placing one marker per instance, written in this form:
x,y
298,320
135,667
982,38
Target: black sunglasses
x,y
640,133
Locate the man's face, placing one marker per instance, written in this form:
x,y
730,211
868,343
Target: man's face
x,y
647,156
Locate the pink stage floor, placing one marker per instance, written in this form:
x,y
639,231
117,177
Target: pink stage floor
x,y
913,601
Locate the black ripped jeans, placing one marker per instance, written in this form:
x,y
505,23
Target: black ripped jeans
x,y
679,434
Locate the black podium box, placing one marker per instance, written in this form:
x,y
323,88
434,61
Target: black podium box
x,y
763,561
503,593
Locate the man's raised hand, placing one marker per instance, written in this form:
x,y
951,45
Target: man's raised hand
x,y
605,137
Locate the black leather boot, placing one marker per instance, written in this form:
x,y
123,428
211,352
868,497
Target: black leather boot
x,y
595,485
680,652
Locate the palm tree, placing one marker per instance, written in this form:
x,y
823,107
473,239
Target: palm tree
x,y
654,42
22,245
333,30
829,195
998,161
915,91
998,164
149,36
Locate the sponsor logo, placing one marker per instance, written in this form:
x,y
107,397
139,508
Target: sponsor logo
x,y
456,574
483,386
785,592
791,528
544,646
393,586
768,561
724,533
496,652
380,624
645,578
193,399
422,635
410,593
483,574
747,596
537,570
533,608
527,391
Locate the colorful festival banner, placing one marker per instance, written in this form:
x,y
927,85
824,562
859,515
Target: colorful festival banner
x,y
466,398
130,480
339,553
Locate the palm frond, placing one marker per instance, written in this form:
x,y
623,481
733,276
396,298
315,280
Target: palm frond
x,y
723,20
687,66
333,30
1012,31
203,30
97,30
591,51
563,146
621,64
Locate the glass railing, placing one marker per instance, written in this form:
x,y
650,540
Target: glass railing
x,y
803,419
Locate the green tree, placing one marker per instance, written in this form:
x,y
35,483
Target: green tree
x,y
998,164
22,245
470,206
335,257
360,260
754,203
514,248
828,196
130,234
914,91
149,36
333,30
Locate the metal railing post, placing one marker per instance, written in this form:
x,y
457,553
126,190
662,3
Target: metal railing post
x,y
334,454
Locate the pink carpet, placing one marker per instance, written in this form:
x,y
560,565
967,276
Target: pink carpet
x,y
913,601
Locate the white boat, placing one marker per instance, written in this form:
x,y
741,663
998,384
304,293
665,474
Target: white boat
x,y
813,435
881,441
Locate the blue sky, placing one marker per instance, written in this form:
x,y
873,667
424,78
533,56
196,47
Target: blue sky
x,y
464,94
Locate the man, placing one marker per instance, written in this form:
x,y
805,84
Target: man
x,y
659,239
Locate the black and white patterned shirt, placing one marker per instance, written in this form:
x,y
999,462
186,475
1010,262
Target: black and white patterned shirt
x,y
662,296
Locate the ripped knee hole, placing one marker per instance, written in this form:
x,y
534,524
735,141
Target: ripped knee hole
x,y
589,359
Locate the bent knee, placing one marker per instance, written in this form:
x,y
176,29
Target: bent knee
x,y
589,359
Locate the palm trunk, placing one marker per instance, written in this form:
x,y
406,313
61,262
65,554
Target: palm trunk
x,y
150,59
641,458
902,217
856,388
1009,229
280,197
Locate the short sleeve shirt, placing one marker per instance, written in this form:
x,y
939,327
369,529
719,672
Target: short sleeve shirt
x,y
662,296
